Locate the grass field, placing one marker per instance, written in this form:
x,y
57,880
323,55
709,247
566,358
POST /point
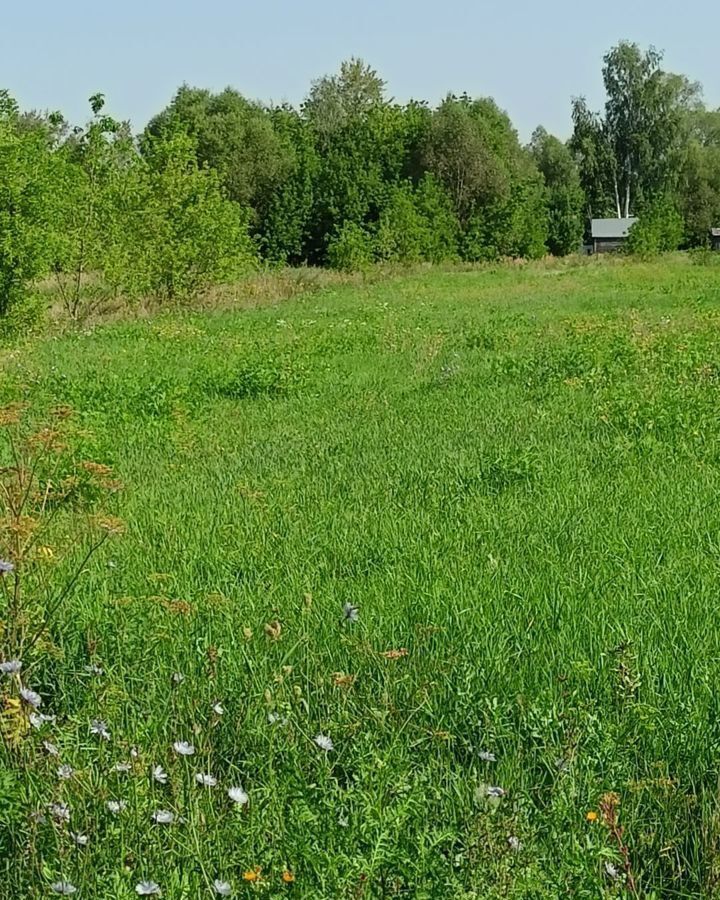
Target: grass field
x,y
513,474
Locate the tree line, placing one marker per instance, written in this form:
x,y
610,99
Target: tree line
x,y
217,184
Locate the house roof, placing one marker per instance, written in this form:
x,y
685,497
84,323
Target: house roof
x,y
715,232
612,228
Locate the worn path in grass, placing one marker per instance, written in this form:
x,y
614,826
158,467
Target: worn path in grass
x,y
514,474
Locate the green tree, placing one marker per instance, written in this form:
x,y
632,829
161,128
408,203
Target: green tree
x,y
564,194
335,101
232,135
632,154
184,235
26,190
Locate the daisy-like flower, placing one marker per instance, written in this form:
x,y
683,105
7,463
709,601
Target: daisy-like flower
x,y
493,791
116,806
50,748
350,613
65,772
122,768
160,775
487,756
59,811
81,840
163,817
37,720
93,669
10,667
218,709
206,780
343,821
32,698
222,888
37,817
134,753
184,748
324,742
238,795
6,568
514,844
100,728
276,719
146,888
178,678
63,887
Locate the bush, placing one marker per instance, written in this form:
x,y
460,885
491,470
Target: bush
x,y
659,230
350,249
185,235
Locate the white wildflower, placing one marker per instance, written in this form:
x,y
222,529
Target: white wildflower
x,y
37,720
50,748
60,812
93,669
611,871
178,678
238,795
81,840
493,791
116,806
324,742
63,887
160,775
222,887
183,748
100,728
514,844
163,817
122,768
146,888
487,756
32,698
10,667
64,772
205,780
218,709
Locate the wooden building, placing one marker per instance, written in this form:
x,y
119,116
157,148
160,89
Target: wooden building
x,y
715,238
610,234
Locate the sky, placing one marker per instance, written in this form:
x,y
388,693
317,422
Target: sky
x,y
531,57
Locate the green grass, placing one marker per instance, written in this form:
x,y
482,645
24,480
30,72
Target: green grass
x,y
514,474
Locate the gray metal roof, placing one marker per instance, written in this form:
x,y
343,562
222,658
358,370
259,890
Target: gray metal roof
x,y
612,228
715,232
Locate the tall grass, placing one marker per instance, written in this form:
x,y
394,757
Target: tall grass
x,y
511,474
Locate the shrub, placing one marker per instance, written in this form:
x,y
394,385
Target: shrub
x,y
659,230
350,249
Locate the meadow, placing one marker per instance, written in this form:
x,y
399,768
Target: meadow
x,y
424,571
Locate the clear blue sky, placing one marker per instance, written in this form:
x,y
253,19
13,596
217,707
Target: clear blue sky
x,y
532,57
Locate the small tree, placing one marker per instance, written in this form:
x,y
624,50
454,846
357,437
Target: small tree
x,y
26,187
185,235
